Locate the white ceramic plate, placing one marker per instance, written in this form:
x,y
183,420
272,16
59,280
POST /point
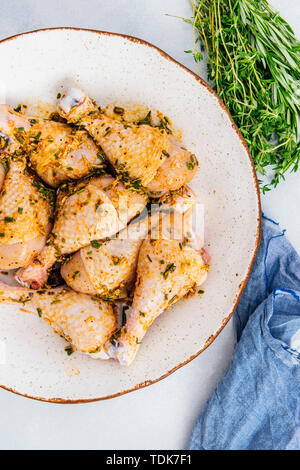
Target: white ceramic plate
x,y
38,65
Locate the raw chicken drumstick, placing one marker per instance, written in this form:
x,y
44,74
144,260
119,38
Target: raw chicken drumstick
x,y
84,321
57,152
108,268
167,270
146,154
91,210
26,209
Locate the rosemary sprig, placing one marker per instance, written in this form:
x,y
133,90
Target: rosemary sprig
x,y
254,66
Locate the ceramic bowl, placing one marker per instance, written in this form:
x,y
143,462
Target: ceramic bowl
x,y
111,67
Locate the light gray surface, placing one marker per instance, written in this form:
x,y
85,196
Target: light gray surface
x,y
160,416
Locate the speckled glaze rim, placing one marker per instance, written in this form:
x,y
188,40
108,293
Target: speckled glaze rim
x,y
210,340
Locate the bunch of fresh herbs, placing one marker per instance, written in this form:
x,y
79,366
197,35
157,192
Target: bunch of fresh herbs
x,y
254,66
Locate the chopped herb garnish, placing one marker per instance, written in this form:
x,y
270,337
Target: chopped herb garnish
x,y
192,163
146,120
39,311
95,244
3,161
164,124
69,350
124,316
101,157
107,131
9,219
80,190
172,299
119,110
21,300
169,269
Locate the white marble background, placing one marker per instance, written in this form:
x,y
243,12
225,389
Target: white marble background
x,y
160,416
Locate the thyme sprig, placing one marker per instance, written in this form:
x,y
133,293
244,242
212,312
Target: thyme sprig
x,y
254,66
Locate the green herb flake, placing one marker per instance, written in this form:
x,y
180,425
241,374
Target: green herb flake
x,y
107,132
69,350
101,156
146,119
18,109
192,162
119,110
124,316
172,299
169,269
95,244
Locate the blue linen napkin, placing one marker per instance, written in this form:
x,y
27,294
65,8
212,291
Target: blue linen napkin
x,y
256,405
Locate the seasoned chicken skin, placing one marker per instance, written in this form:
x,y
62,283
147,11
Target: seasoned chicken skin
x,y
25,213
91,210
145,153
179,168
57,152
167,270
84,321
108,268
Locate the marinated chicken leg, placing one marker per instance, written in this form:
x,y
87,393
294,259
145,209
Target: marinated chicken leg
x,y
108,269
145,153
56,151
89,211
167,270
84,321
25,213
